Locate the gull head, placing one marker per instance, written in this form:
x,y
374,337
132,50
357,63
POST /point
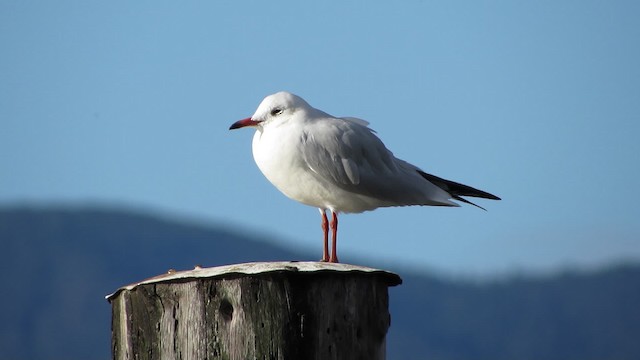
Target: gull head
x,y
278,107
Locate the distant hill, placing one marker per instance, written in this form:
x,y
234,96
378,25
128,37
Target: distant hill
x,y
58,264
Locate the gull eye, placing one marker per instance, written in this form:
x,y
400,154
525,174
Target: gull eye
x,y
276,111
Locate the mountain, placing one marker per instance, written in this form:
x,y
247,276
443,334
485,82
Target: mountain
x,y
57,265
568,316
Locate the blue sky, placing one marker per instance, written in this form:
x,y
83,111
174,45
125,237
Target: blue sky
x,y
128,103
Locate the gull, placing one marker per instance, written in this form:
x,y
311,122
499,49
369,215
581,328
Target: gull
x,y
338,164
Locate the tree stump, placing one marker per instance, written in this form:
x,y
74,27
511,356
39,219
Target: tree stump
x,y
276,310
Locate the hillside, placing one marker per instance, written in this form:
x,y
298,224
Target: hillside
x,y
49,254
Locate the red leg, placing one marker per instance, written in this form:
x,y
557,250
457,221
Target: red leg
x,y
325,230
334,240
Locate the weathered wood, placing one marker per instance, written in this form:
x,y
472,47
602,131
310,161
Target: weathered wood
x,y
286,310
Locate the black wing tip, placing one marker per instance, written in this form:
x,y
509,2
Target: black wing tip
x,y
457,190
456,197
475,193
492,197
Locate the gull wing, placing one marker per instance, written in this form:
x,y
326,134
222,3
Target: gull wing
x,y
346,153
341,150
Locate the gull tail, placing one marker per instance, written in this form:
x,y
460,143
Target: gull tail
x,y
458,190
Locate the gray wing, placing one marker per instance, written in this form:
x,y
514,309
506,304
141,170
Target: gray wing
x,y
348,154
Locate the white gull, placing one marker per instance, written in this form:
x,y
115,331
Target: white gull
x,y
338,164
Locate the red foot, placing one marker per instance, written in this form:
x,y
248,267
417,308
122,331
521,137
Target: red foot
x,y
334,238
325,230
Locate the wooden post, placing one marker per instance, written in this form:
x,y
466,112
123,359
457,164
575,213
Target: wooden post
x,y
276,310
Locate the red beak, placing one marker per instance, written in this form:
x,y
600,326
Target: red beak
x,y
242,123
